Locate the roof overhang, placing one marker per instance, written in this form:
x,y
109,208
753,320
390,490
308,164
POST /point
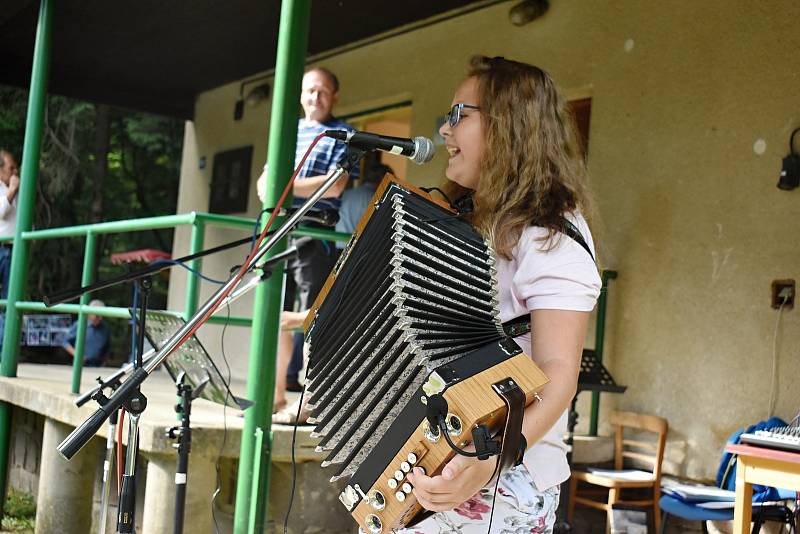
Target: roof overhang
x,y
157,56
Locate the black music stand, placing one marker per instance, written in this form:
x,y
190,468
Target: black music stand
x,y
192,359
593,377
195,375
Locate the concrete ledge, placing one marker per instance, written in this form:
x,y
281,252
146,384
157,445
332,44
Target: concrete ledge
x,y
44,390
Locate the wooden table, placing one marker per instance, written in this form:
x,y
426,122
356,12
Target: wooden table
x,y
760,465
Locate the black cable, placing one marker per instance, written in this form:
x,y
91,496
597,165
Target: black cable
x,y
224,420
494,497
456,448
294,463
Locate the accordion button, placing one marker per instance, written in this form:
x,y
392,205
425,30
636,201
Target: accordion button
x,y
399,475
405,467
392,483
400,496
406,488
412,458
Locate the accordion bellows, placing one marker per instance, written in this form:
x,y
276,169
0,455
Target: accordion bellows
x,y
410,305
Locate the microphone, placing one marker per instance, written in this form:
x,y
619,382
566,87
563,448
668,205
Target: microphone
x,y
419,150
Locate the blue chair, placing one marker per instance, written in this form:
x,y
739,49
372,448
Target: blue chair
x,y
691,512
726,479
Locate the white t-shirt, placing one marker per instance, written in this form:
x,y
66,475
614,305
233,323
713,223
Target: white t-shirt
x,y
563,278
8,212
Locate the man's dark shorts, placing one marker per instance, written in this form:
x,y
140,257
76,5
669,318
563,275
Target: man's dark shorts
x,y
307,273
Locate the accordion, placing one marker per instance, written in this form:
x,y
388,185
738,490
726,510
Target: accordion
x,y
404,334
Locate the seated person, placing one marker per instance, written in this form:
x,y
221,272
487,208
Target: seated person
x,y
98,338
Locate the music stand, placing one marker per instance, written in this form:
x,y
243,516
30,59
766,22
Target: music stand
x,y
192,359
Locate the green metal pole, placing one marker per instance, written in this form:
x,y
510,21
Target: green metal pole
x,y
599,339
80,337
193,281
259,443
292,44
25,202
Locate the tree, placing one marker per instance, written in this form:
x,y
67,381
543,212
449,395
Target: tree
x,y
98,163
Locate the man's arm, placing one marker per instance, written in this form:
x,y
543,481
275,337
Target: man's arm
x,y
13,188
305,187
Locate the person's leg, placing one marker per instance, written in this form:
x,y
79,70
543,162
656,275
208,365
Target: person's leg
x,y
5,271
312,268
296,363
285,339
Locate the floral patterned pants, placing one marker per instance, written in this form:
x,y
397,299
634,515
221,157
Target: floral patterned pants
x,y
519,508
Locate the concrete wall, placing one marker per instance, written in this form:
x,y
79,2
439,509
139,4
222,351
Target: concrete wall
x,y
692,107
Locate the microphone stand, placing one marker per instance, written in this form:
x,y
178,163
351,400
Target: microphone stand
x,y
135,405
108,470
183,434
128,393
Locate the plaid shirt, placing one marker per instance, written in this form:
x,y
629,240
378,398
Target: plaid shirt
x,y
323,159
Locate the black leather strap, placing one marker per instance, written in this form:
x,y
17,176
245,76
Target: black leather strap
x,y
514,399
572,231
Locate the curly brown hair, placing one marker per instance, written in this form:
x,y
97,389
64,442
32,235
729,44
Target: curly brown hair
x,y
532,171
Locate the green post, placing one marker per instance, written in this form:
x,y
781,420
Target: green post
x,y
292,43
25,202
599,339
192,280
87,277
259,443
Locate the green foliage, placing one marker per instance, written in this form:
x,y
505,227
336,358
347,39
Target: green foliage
x,y
20,512
140,180
20,504
16,525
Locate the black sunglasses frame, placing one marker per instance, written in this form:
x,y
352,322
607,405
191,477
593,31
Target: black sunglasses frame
x,y
454,115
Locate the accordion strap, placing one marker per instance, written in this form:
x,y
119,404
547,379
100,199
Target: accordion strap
x,y
514,399
522,324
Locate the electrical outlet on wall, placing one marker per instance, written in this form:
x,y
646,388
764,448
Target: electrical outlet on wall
x,y
783,293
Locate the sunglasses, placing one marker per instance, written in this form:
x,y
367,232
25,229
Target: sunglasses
x,y
454,115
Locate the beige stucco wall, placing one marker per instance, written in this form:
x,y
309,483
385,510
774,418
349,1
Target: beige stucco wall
x,y
692,107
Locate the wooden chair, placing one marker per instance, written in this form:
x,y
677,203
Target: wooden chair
x,y
649,453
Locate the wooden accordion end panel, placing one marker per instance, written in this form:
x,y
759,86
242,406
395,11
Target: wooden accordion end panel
x,y
410,311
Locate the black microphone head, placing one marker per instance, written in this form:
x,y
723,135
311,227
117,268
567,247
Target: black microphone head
x,y
423,150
